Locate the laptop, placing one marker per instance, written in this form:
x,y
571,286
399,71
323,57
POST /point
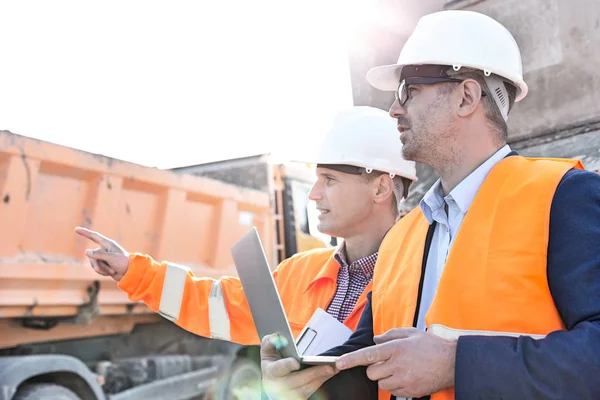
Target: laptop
x,y
263,298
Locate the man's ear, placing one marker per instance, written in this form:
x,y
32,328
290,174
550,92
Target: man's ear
x,y
471,97
383,188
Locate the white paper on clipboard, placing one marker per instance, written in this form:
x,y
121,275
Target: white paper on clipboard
x,y
321,333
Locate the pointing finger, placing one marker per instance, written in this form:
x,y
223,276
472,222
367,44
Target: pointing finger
x,y
367,356
100,239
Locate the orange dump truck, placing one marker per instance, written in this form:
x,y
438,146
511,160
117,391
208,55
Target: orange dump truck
x,y
65,331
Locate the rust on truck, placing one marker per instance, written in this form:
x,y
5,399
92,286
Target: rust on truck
x,y
46,190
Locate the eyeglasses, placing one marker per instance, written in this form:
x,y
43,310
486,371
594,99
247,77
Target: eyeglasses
x,y
403,92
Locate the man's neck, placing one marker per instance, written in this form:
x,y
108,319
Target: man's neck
x,y
367,243
454,173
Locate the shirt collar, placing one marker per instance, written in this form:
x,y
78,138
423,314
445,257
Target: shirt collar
x,y
364,266
464,193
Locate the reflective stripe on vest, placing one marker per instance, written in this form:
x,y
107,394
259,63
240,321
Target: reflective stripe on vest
x,y
220,327
172,292
453,334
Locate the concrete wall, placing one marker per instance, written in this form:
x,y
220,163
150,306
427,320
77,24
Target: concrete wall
x,y
559,42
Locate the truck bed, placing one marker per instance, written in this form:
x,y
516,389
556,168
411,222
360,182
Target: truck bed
x,y
46,190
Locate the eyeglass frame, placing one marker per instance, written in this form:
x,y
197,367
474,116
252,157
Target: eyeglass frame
x,y
422,81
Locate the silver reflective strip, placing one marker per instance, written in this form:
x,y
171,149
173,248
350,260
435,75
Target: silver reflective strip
x,y
217,313
453,334
172,292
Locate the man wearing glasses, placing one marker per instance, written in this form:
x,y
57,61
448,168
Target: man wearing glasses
x,y
491,288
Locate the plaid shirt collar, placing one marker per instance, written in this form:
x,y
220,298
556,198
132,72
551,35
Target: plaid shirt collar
x,y
364,266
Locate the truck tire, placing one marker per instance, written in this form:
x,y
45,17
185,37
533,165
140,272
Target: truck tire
x,y
243,372
39,391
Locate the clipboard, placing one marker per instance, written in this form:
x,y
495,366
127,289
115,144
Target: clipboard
x,y
321,333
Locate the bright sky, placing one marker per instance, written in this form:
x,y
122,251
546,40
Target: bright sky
x,y
170,83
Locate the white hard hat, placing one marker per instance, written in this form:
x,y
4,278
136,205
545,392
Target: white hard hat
x,y
457,38
362,137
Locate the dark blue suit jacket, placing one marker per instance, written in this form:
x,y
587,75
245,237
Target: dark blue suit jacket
x,y
564,365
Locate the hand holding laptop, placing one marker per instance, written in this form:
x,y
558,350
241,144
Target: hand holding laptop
x,y
281,359
263,298
281,378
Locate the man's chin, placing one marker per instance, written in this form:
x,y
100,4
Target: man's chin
x,y
409,153
326,229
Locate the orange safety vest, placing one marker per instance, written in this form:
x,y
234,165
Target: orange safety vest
x,y
218,308
494,280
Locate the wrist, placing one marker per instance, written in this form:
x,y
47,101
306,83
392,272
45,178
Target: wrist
x,y
450,363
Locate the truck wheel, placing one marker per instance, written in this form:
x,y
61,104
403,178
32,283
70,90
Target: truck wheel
x,y
39,391
244,374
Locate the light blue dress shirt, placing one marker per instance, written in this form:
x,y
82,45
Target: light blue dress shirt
x,y
434,205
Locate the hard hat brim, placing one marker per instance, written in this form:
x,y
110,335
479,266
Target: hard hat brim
x,y
354,163
387,79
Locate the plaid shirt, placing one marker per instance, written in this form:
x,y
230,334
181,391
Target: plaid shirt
x,y
351,282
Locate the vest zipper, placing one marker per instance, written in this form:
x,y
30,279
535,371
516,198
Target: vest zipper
x,y
423,266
